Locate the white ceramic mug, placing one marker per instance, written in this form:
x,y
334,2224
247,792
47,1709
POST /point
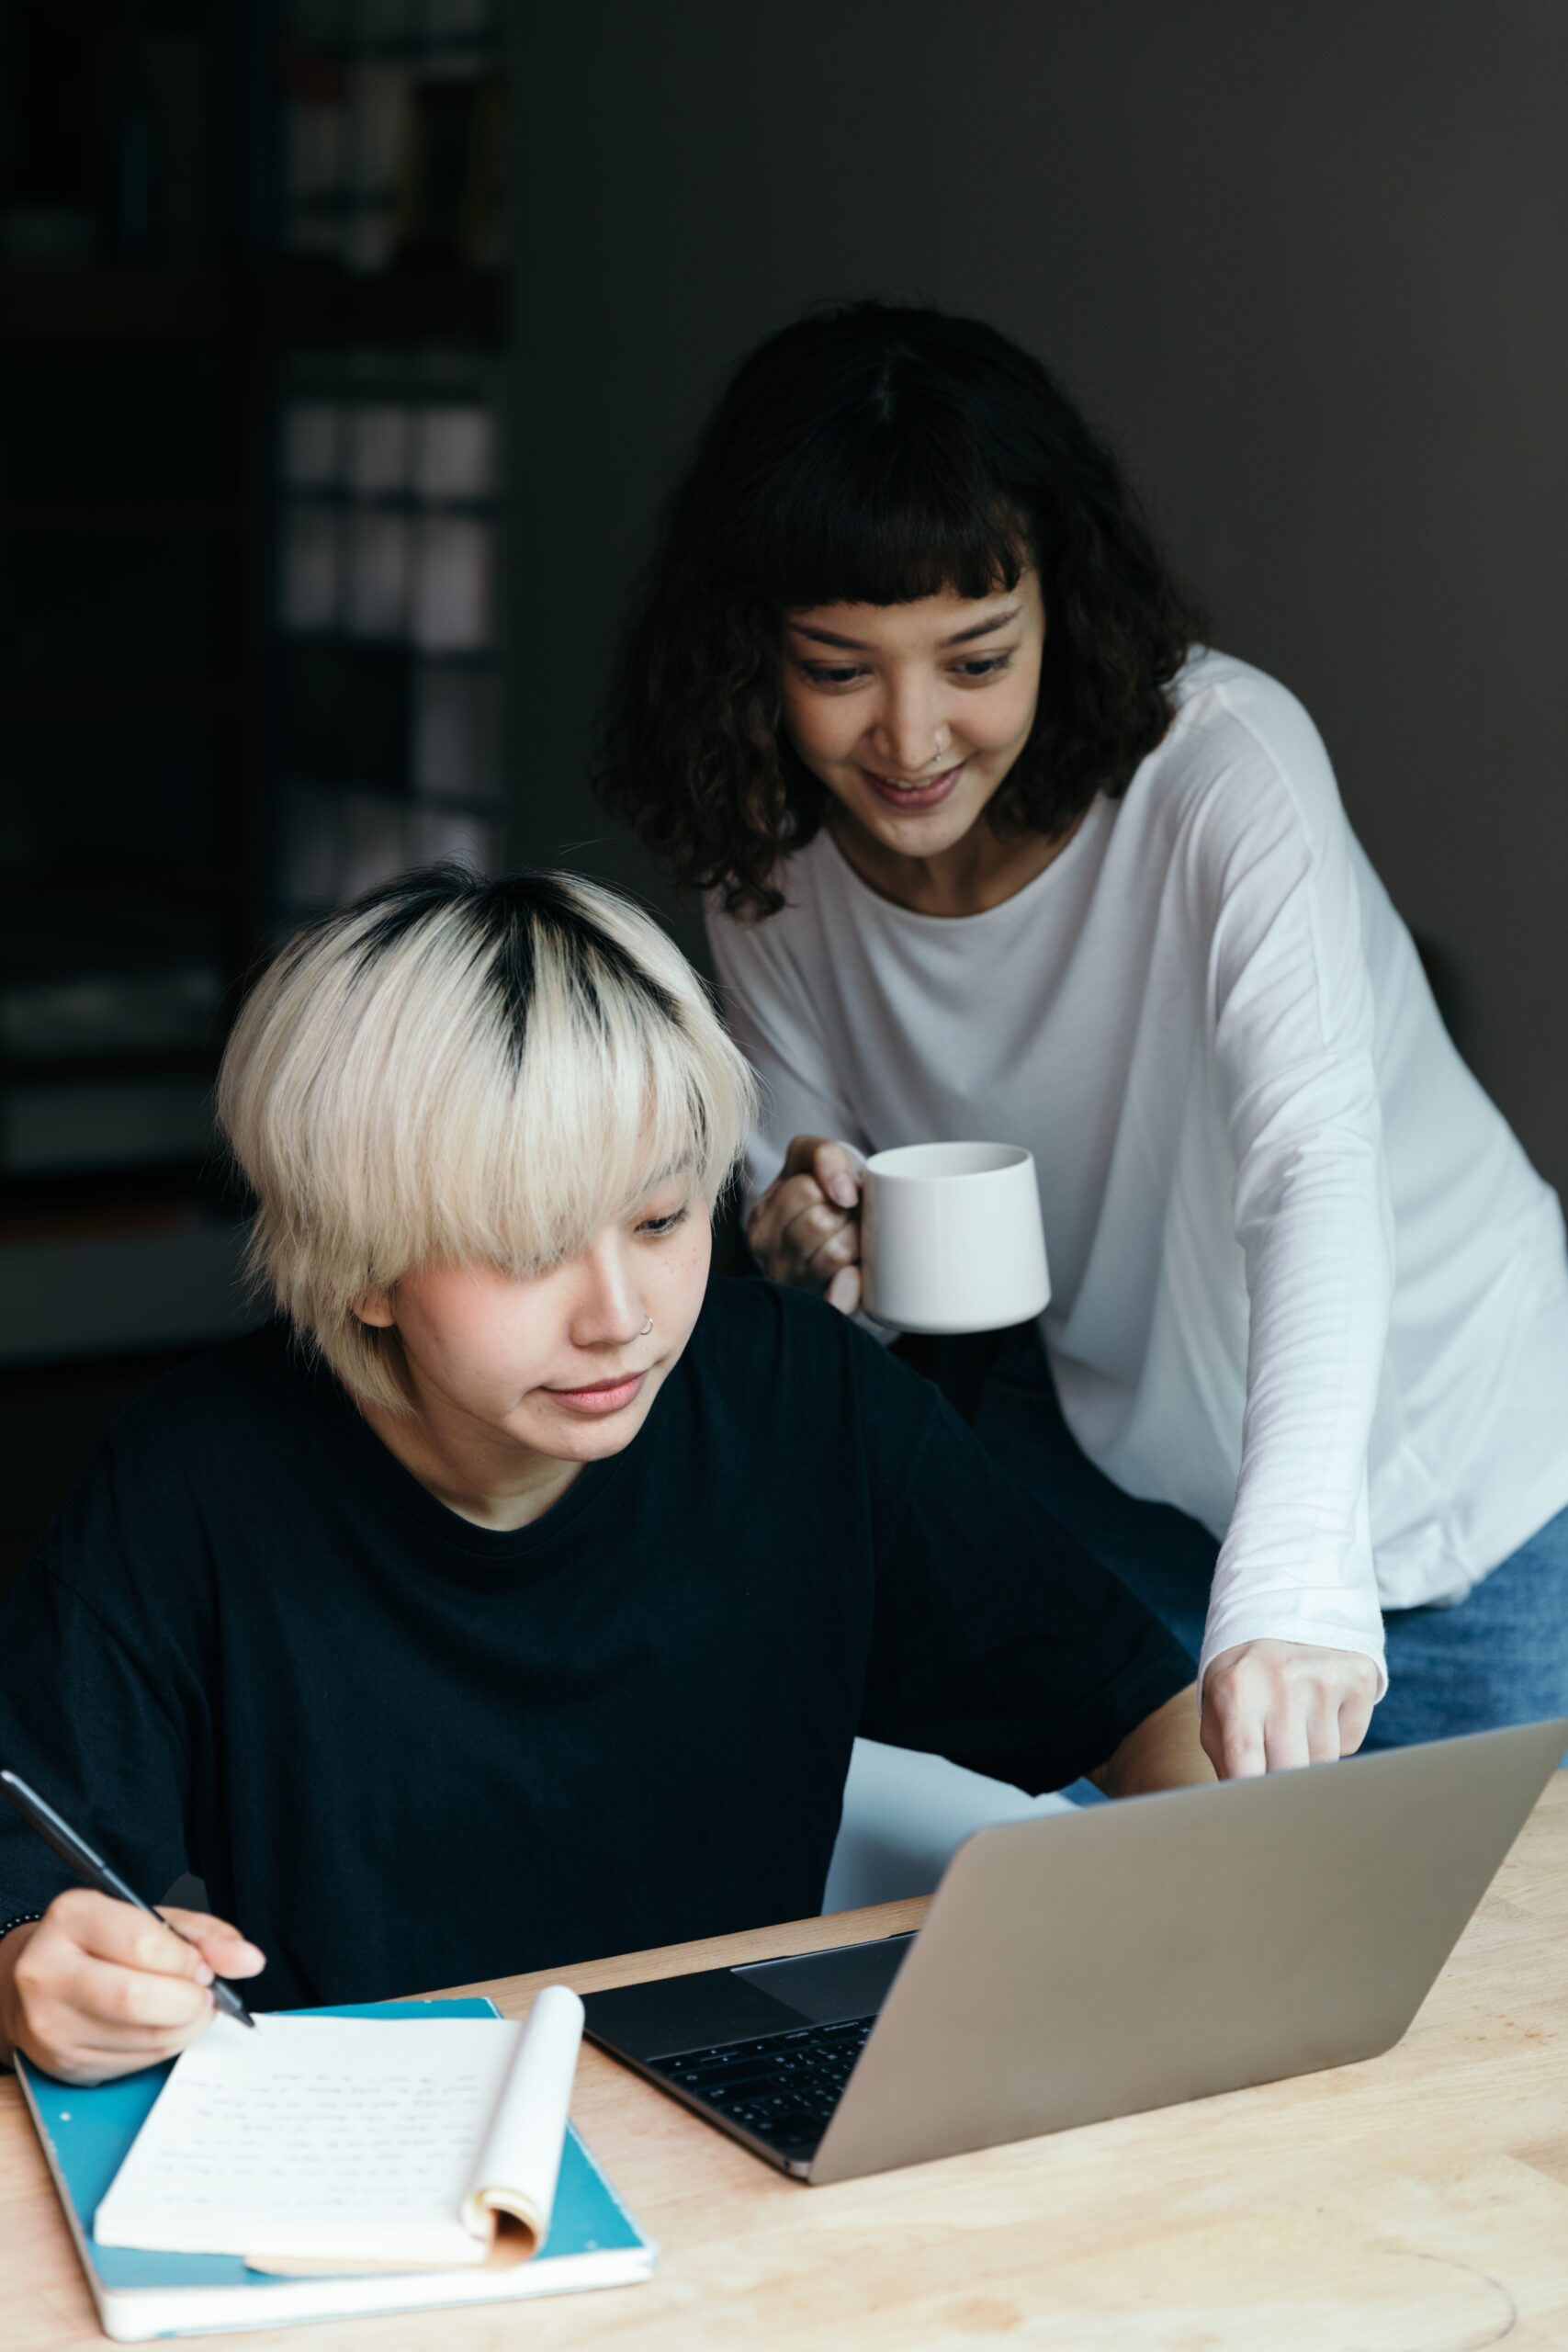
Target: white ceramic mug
x,y
951,1237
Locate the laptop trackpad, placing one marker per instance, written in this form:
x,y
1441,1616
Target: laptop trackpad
x,y
823,1986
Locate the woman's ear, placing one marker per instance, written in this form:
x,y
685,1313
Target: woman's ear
x,y
375,1308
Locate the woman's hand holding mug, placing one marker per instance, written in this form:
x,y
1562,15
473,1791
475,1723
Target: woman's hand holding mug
x,y
931,1237
805,1229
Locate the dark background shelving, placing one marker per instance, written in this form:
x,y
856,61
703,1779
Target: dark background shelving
x,y
176,747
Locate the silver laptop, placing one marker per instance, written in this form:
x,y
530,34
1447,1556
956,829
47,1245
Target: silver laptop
x,y
1095,1964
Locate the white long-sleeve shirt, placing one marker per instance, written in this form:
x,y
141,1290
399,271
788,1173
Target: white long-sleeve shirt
x,y
1305,1284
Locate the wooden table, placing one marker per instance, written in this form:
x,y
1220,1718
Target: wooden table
x,y
1416,2203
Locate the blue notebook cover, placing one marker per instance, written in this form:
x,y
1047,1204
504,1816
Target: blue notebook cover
x,y
87,2134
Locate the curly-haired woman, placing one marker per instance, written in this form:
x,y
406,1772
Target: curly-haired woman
x,y
996,845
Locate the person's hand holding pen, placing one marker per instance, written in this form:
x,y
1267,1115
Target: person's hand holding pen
x,y
104,1983
95,1989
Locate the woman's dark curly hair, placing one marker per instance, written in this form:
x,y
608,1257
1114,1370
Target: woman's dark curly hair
x,y
873,455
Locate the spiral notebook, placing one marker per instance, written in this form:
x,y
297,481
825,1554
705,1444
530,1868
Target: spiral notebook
x,y
86,2135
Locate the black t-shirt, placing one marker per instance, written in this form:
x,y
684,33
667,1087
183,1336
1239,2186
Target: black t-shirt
x,y
406,1752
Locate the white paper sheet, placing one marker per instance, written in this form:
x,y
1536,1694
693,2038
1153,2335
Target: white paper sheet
x,y
351,2139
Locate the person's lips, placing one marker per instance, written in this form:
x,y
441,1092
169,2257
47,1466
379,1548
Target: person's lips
x,y
601,1395
905,796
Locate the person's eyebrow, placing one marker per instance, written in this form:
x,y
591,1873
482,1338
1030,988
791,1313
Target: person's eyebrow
x,y
983,629
963,636
683,1164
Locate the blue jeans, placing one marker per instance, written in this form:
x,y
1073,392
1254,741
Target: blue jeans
x,y
1498,1657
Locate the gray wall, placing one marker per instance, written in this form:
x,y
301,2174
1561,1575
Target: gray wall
x,y
1305,259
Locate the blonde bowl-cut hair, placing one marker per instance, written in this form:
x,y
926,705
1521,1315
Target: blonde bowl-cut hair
x,y
459,1071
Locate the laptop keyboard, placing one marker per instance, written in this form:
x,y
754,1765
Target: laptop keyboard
x,y
783,2087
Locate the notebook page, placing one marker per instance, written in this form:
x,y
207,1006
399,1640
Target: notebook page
x,y
338,2138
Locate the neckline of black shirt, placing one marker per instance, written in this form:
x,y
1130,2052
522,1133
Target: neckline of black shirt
x,y
349,1434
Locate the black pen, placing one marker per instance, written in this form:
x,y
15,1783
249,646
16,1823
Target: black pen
x,y
94,1871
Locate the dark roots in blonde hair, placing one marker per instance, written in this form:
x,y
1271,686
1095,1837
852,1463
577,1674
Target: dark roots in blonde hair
x,y
873,455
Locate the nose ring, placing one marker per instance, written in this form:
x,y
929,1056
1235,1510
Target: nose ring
x,y
645,1329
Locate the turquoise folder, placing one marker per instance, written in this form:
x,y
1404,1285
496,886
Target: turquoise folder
x,y
86,2135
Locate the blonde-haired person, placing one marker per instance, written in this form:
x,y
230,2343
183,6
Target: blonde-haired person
x,y
514,1596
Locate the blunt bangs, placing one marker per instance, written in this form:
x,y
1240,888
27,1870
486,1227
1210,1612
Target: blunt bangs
x,y
871,474
868,523
884,512
454,1071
